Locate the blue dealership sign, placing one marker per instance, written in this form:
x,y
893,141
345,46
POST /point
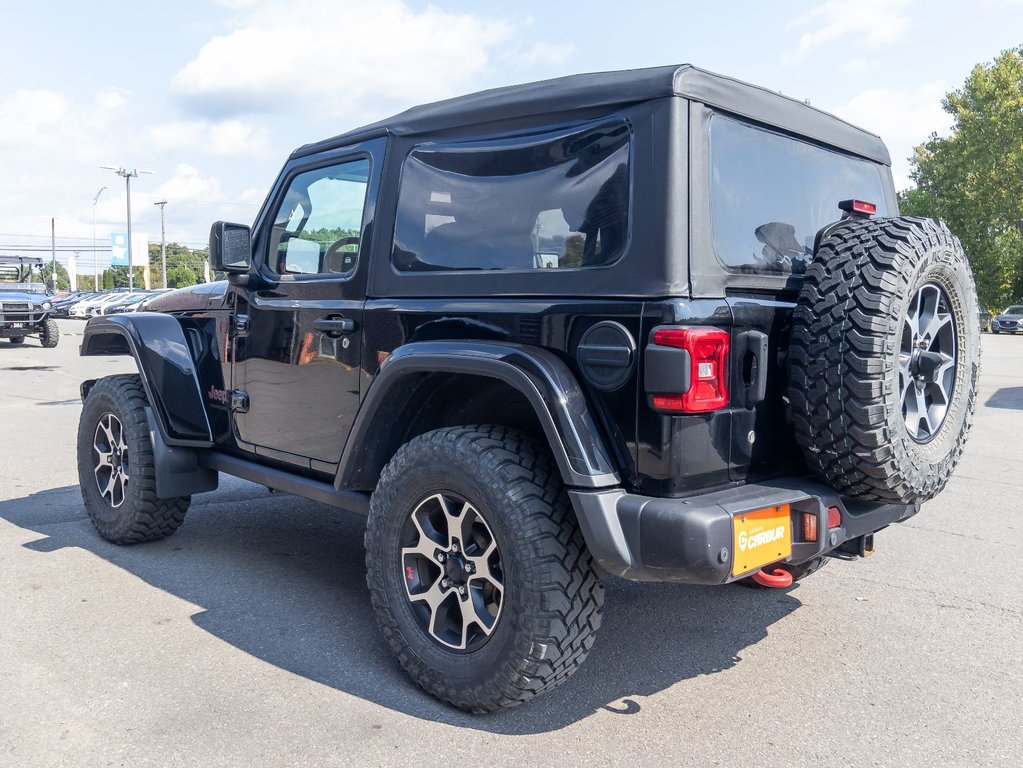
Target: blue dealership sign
x,y
118,249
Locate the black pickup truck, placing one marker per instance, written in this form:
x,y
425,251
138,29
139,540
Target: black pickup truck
x,y
660,324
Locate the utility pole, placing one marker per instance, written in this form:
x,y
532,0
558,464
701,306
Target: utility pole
x,y
128,176
95,258
53,254
163,242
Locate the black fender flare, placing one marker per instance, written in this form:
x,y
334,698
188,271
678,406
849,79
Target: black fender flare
x,y
543,378
158,344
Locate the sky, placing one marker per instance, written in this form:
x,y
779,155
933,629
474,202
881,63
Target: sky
x,y
211,97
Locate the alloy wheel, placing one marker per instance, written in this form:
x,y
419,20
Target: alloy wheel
x,y
111,459
927,362
451,568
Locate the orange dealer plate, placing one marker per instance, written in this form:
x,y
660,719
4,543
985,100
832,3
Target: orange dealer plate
x,y
761,537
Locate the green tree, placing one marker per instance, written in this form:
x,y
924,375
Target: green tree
x,y
63,280
973,179
178,257
117,277
180,277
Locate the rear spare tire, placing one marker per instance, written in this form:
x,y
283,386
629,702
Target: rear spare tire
x,y
884,358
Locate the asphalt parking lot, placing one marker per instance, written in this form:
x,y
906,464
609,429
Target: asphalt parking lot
x,y
247,638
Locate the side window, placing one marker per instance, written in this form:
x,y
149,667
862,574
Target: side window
x,y
318,228
555,202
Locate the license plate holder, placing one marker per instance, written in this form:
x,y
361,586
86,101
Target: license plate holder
x,y
761,537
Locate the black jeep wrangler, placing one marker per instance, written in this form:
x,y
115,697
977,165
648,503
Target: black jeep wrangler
x,y
25,311
659,324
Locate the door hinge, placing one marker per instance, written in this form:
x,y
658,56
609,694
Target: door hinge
x,y
239,401
240,325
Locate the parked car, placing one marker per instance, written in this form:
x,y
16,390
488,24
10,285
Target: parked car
x,y
985,320
660,324
130,303
63,304
1009,321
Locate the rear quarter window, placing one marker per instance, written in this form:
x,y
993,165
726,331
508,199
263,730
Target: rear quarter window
x,y
556,201
771,193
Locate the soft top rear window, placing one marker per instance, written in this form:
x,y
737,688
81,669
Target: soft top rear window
x,y
771,193
554,201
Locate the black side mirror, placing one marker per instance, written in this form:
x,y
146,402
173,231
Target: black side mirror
x,y
230,247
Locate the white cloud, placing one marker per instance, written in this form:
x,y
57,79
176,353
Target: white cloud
x,y
28,115
903,118
351,58
224,137
870,22
187,184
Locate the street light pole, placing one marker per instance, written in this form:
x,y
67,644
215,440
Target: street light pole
x,y
163,242
128,176
53,254
95,258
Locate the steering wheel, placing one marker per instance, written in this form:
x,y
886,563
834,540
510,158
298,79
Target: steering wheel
x,y
336,247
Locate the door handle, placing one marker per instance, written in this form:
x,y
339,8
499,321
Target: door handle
x,y
335,325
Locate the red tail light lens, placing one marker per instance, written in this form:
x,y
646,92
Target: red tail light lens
x,y
708,374
834,517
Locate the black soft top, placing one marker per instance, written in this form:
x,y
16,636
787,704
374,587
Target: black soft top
x,y
612,89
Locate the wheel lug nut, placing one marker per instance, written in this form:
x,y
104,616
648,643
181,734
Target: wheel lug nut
x,y
440,557
469,568
461,590
445,583
454,547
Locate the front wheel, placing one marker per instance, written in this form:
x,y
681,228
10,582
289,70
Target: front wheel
x,y
478,573
51,333
116,468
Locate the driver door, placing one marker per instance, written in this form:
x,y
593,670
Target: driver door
x,y
296,368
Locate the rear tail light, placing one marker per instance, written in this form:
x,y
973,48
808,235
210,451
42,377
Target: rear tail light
x,y
809,526
834,517
708,370
810,523
858,206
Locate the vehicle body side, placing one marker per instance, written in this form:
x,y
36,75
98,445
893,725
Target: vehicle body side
x,y
434,349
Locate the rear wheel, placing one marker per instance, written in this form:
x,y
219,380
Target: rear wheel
x,y
116,469
51,333
478,573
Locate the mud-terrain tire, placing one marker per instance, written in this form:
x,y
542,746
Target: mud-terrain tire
x,y
115,451
551,597
51,333
884,358
16,339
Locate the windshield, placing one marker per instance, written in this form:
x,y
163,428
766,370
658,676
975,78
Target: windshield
x,y
1015,309
771,193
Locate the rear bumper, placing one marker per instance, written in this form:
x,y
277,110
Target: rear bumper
x,y
690,540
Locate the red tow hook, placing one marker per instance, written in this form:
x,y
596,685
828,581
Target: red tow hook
x,y
778,580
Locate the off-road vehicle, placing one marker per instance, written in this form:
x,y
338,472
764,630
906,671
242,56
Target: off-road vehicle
x,y
659,324
25,306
